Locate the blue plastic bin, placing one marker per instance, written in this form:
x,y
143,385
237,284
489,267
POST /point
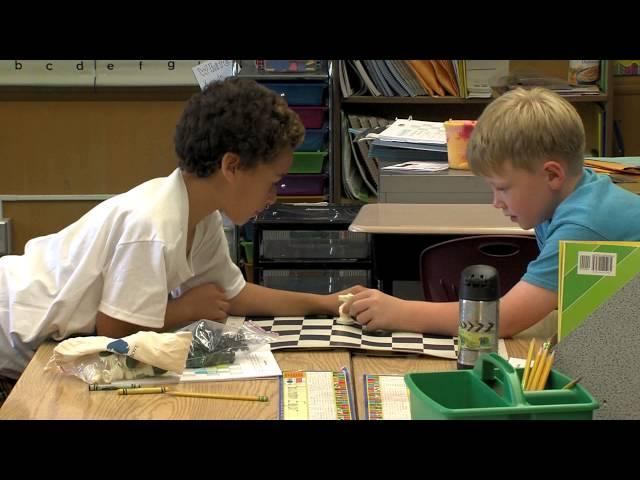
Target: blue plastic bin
x,y
314,139
297,93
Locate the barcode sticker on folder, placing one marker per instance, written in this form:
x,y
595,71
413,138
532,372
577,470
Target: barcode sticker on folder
x,y
591,263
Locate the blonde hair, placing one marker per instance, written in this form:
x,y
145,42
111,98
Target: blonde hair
x,y
527,128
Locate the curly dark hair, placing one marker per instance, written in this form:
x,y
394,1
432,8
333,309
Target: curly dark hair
x,y
234,115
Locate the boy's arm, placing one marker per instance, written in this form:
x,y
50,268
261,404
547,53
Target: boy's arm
x,y
258,300
208,301
107,326
524,305
203,301
379,311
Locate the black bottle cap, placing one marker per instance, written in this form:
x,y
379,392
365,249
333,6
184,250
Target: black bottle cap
x,y
479,282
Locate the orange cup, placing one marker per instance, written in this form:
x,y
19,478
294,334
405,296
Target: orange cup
x,y
458,133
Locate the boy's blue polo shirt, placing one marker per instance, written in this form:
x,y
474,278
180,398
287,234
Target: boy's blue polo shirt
x,y
595,210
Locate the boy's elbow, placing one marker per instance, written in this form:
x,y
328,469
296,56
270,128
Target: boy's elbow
x,y
513,322
107,326
523,307
508,330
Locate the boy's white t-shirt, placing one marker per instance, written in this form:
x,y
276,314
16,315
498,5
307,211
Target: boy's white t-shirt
x,y
124,258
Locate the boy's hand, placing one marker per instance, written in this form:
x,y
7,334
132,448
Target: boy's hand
x,y
376,310
206,301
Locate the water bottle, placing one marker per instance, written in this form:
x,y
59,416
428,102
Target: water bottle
x,y
478,324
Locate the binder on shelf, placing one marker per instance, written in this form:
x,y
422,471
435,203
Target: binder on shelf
x,y
410,77
352,182
364,162
446,76
364,75
426,74
402,78
378,78
391,78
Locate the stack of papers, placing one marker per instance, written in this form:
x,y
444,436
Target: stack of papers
x,y
410,141
622,165
415,131
417,167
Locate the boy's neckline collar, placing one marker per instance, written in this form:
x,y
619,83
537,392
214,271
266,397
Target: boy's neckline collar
x,y
580,182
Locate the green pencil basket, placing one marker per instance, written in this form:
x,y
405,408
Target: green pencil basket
x,y
492,391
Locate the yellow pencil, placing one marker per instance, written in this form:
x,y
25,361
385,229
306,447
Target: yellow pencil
x,y
539,367
221,396
527,366
534,369
545,372
572,384
141,391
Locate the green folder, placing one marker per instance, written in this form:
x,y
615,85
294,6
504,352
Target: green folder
x,y
590,274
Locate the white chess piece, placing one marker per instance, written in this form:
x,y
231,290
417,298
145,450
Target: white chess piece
x,y
345,318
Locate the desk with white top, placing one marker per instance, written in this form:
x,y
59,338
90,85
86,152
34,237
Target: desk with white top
x,y
399,233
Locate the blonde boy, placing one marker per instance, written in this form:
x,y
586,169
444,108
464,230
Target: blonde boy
x,y
529,145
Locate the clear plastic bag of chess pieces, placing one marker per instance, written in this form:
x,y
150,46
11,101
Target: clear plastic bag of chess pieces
x,y
216,343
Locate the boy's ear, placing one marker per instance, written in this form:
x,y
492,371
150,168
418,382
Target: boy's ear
x,y
229,165
555,173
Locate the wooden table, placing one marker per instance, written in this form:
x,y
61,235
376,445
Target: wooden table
x,y
369,364
50,395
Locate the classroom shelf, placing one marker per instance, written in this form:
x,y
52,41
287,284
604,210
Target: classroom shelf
x,y
602,97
